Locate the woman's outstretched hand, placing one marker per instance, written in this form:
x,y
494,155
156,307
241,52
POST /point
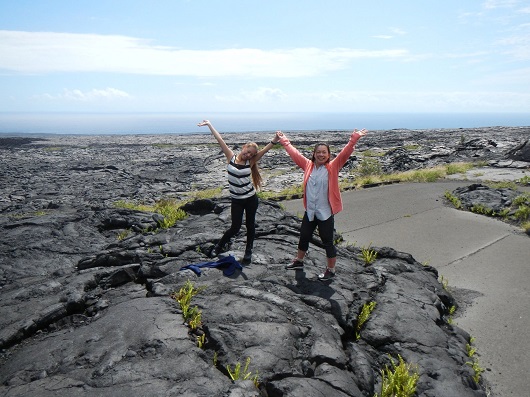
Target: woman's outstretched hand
x,y
362,132
279,135
203,123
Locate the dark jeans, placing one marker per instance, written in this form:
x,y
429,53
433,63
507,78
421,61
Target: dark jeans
x,y
250,207
325,231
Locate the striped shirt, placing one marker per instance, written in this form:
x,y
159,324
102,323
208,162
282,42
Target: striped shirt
x,y
239,180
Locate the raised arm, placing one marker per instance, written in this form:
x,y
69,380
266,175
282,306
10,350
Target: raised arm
x,y
346,152
265,149
224,147
299,159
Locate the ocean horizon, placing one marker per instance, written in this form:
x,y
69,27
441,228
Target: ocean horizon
x,y
186,123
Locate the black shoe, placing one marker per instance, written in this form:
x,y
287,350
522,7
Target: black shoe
x,y
328,275
247,258
214,253
296,265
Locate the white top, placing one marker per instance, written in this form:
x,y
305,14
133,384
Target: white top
x,y
316,192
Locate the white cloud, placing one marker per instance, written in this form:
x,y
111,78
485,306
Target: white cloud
x,y
490,4
368,101
519,77
395,31
87,96
265,93
48,52
516,46
398,31
423,101
261,94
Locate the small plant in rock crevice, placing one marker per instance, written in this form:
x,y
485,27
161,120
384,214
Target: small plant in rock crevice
x,y
368,255
470,349
192,315
452,310
453,199
201,339
445,283
195,318
471,353
477,369
239,373
123,234
363,317
338,239
400,380
215,359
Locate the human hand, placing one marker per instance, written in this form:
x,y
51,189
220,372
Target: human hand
x,y
204,122
279,135
362,132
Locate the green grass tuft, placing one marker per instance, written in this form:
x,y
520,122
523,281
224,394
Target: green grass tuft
x,y
525,180
368,255
453,199
168,208
522,213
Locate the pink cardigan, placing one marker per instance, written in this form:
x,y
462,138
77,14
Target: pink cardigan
x,y
334,166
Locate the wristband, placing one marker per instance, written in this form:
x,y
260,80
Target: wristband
x,y
274,143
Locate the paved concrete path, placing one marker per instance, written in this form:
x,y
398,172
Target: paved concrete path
x,y
485,261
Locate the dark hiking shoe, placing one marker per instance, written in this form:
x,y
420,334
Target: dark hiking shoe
x,y
247,258
296,265
214,253
327,275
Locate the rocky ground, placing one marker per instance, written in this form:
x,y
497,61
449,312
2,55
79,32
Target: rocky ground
x,y
85,286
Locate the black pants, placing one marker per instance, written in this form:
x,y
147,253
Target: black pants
x,y
325,231
239,206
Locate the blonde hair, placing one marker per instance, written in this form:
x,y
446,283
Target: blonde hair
x,y
254,169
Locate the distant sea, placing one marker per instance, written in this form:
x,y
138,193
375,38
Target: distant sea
x,y
186,123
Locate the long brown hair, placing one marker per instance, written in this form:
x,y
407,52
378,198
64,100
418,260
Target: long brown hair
x,y
254,169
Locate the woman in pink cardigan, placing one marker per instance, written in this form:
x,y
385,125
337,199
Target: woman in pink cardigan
x,y
322,199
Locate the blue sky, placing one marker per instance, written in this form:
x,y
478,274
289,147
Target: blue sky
x,y
275,55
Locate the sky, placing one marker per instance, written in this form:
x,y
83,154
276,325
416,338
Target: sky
x,y
265,56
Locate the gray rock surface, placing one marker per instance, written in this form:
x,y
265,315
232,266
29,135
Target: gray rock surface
x,y
477,194
85,313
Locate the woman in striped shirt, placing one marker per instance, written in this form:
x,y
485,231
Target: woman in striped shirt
x,y
243,180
